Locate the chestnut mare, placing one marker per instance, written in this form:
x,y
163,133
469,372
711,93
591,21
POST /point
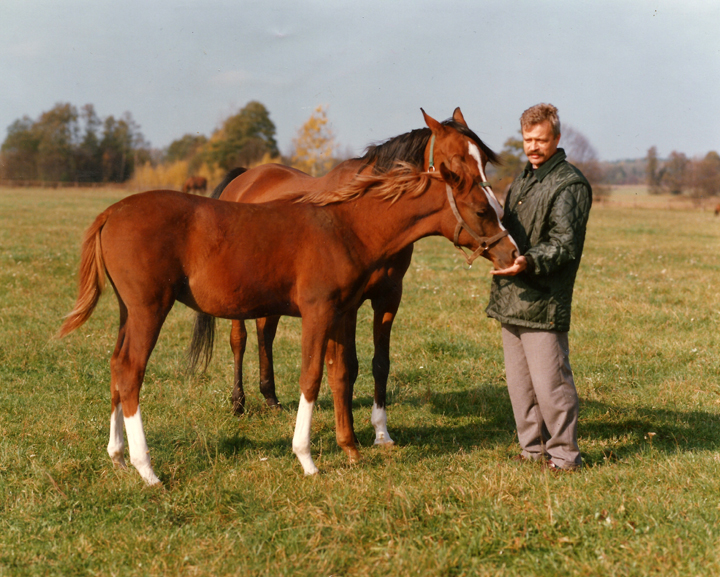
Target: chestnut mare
x,y
421,148
311,256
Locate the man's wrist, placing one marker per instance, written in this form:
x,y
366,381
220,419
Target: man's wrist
x,y
530,263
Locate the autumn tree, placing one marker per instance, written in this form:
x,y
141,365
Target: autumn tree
x,y
244,138
185,148
705,176
314,145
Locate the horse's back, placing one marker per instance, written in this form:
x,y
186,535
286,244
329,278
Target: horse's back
x,y
163,245
275,181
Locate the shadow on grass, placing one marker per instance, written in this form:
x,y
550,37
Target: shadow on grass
x,y
481,417
608,433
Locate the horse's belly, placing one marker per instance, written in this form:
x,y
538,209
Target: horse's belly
x,y
244,298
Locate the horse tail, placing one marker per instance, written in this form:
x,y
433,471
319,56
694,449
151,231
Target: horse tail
x,y
229,177
92,277
201,345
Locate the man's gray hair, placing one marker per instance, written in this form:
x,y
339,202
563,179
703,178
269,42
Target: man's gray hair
x,y
539,113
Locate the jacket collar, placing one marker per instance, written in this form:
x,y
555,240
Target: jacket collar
x,y
546,168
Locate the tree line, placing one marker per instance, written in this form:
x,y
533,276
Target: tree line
x,y
69,145
678,174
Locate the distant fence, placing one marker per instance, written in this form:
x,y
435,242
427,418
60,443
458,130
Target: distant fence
x,y
50,184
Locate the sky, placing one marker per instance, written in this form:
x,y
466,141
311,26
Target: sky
x,y
626,74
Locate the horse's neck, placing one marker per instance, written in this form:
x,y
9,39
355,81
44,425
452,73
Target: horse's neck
x,y
386,228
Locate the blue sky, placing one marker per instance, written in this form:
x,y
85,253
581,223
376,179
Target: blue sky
x,y
627,74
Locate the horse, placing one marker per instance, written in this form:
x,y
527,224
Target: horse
x,y
422,148
717,210
195,183
310,256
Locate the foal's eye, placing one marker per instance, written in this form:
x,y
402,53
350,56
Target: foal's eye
x,y
482,212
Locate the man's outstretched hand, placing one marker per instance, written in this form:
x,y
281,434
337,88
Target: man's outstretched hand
x,y
517,267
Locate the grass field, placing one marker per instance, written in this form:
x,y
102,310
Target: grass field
x,y
446,500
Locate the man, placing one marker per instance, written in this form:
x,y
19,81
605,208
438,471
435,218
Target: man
x,y
546,212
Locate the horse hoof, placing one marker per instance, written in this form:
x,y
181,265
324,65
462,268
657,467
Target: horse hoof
x,y
118,461
353,455
384,442
274,404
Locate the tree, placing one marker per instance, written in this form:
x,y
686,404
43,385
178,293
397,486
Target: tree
x,y
706,176
652,172
54,147
583,155
19,151
88,157
314,145
57,130
185,148
120,139
512,160
244,138
675,173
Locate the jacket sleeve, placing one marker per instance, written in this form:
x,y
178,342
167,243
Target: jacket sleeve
x,y
563,240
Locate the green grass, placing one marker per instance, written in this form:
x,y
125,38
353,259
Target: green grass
x,y
446,500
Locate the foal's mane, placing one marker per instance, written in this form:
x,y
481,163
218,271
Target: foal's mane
x,y
402,179
410,148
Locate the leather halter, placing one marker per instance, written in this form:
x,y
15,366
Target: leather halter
x,y
484,242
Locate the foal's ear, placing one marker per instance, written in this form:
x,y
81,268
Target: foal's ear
x,y
459,118
432,124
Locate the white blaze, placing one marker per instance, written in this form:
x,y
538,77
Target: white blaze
x,y
301,439
492,199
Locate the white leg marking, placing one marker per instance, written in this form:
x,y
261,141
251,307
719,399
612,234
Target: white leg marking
x,y
116,446
301,439
379,421
139,454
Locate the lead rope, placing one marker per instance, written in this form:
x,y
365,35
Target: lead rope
x,y
483,241
431,160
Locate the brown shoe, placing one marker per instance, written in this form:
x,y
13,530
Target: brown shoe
x,y
557,468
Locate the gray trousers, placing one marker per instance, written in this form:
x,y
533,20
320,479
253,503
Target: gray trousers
x,y
543,395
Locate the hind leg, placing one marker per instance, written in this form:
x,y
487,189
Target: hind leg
x,y
385,311
136,340
266,330
238,341
341,360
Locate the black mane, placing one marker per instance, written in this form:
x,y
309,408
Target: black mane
x,y
410,148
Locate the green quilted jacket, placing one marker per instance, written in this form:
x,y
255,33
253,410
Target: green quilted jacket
x,y
546,212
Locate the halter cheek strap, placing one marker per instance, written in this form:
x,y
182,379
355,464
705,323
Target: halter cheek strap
x,y
484,242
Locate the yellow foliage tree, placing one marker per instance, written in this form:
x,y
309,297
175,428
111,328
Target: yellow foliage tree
x,y
314,145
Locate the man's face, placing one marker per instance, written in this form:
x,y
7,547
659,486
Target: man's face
x,y
539,143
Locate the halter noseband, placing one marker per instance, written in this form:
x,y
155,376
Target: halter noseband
x,y
484,242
